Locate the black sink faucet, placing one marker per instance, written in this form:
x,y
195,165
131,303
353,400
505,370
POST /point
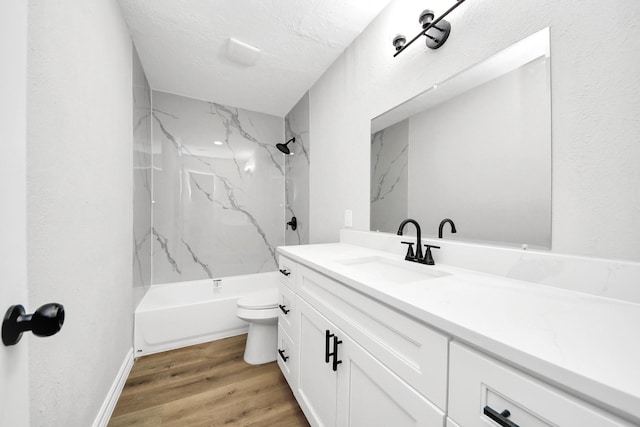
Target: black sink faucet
x,y
442,223
418,255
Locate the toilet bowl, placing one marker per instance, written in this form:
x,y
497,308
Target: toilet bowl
x,y
260,309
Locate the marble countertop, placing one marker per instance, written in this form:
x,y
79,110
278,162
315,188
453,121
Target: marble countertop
x,y
587,345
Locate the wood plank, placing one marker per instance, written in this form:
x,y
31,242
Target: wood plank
x,y
206,385
151,417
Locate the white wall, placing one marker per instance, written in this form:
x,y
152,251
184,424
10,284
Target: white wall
x,y
79,191
595,111
14,369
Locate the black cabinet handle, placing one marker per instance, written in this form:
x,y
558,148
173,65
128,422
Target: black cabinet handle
x,y
500,418
336,362
285,272
327,337
44,322
283,308
281,353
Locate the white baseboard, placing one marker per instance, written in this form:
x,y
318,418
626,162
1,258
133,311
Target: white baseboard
x,y
109,404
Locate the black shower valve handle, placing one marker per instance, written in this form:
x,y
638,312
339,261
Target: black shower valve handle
x,y
293,223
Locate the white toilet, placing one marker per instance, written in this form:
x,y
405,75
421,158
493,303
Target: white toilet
x,y
260,309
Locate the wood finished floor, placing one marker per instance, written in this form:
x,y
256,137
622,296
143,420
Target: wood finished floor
x,y
206,385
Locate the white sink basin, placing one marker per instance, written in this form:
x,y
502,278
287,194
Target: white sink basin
x,y
380,268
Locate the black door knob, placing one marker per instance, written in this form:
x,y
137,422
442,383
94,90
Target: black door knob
x,y
45,321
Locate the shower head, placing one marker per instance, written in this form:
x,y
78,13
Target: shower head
x,y
284,148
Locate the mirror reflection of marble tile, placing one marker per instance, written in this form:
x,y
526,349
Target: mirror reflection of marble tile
x,y
389,176
218,190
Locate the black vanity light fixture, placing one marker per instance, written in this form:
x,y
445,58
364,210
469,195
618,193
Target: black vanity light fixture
x,y
436,30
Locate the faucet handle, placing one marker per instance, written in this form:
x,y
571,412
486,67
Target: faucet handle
x,y
410,254
428,258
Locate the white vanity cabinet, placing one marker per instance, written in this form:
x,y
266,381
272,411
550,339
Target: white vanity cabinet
x,y
341,384
355,359
358,361
413,351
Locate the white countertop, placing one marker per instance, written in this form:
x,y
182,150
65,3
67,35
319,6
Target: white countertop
x,y
587,345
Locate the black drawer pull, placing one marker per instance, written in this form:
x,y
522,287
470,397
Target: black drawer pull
x,y
285,271
336,362
500,418
327,337
281,353
283,308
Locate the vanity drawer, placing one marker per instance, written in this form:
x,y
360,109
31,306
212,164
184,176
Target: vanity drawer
x,y
287,270
414,352
287,310
287,357
478,382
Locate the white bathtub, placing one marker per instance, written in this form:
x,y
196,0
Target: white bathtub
x,y
180,314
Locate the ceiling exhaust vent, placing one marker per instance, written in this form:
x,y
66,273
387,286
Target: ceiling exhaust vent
x,y
242,53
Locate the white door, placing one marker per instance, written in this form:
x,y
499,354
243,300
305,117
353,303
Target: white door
x,y
14,380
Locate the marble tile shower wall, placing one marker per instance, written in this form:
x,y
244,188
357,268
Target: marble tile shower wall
x,y
218,190
297,172
142,149
389,177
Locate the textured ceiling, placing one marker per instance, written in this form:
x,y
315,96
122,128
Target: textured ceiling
x,y
183,43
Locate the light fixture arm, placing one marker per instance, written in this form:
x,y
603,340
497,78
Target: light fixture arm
x,y
428,27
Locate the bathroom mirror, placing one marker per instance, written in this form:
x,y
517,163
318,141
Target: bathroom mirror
x,y
475,148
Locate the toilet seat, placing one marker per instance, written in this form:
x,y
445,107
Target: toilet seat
x,y
262,300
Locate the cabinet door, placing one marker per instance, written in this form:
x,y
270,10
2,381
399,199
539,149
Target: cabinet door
x,y
371,395
317,382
